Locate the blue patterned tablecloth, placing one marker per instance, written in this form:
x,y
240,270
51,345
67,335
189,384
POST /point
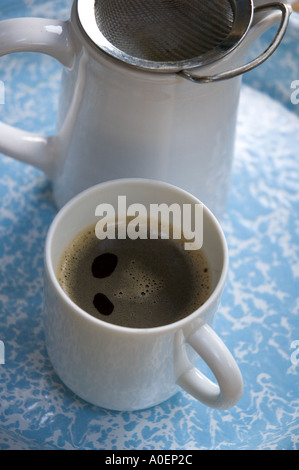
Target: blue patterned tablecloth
x,y
259,315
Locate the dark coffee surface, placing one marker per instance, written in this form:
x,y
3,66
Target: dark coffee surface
x,y
134,283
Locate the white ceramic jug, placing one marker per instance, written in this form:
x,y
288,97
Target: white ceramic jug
x,y
116,120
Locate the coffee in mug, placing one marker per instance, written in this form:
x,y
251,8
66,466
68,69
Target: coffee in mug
x,y
135,283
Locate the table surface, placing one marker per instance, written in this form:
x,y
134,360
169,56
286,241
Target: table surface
x,y
258,317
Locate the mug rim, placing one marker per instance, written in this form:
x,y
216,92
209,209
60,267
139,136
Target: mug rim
x,y
179,324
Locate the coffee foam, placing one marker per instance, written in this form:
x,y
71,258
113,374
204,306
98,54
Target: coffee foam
x,y
139,285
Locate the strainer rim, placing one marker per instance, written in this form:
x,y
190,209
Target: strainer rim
x,y
243,14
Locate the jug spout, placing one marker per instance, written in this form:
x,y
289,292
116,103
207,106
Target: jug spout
x,y
268,14
265,16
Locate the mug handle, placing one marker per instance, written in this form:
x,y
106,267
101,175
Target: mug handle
x,y
213,351
286,11
51,37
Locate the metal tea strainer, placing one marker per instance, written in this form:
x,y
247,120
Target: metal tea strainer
x,y
174,35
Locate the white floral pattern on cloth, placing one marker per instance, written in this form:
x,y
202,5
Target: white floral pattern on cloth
x,y
259,314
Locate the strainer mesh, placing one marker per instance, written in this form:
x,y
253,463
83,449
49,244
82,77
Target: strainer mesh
x,y
165,30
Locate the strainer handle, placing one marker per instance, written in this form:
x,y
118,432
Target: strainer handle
x,y
286,11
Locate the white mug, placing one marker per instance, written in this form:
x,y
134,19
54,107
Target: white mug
x,y
123,368
119,121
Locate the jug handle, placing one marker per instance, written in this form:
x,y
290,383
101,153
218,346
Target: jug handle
x,y
51,37
286,11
